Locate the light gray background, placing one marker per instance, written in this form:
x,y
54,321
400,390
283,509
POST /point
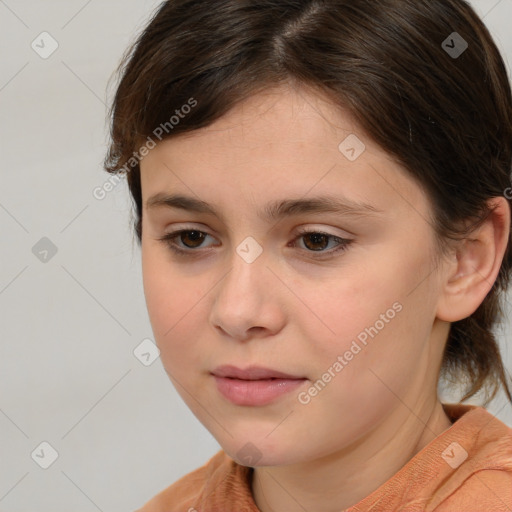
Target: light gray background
x,y
69,325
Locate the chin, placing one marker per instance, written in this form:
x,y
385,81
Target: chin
x,y
261,452
251,456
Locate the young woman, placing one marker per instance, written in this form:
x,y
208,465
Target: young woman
x,y
321,198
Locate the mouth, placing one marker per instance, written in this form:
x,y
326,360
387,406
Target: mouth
x,y
254,386
252,373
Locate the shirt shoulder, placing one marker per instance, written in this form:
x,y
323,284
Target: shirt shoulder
x,y
480,458
467,467
221,484
184,492
484,491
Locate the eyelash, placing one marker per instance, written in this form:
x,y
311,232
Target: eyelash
x,y
168,240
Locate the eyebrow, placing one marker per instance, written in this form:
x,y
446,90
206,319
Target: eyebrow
x,y
274,210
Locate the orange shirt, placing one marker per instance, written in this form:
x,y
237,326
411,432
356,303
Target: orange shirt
x,y
466,468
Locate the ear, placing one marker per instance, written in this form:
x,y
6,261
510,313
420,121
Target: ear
x,y
475,265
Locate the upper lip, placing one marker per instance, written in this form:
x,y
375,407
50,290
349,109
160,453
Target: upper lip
x,y
251,373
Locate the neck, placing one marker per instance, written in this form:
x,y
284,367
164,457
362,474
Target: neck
x,y
340,480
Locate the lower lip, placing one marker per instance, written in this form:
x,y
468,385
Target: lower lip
x,y
255,392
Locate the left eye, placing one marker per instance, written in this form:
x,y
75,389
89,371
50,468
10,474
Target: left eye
x,y
315,241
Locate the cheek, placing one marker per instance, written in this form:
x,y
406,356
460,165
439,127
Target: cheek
x,y
369,316
176,306
166,293
157,291
345,307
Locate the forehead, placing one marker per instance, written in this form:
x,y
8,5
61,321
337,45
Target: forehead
x,y
278,145
278,117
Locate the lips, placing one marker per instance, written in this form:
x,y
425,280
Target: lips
x,y
252,373
255,385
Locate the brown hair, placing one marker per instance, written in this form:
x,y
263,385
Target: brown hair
x,y
395,65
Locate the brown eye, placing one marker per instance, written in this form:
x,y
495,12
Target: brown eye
x,y
184,242
317,241
321,243
196,238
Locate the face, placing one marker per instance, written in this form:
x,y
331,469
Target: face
x,y
341,300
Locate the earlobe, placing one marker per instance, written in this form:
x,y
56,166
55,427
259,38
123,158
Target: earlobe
x,y
476,264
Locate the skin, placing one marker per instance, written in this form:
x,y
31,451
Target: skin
x,y
295,311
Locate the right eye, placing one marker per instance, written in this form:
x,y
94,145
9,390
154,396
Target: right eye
x,y
190,238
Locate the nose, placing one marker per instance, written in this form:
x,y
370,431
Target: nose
x,y
247,300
